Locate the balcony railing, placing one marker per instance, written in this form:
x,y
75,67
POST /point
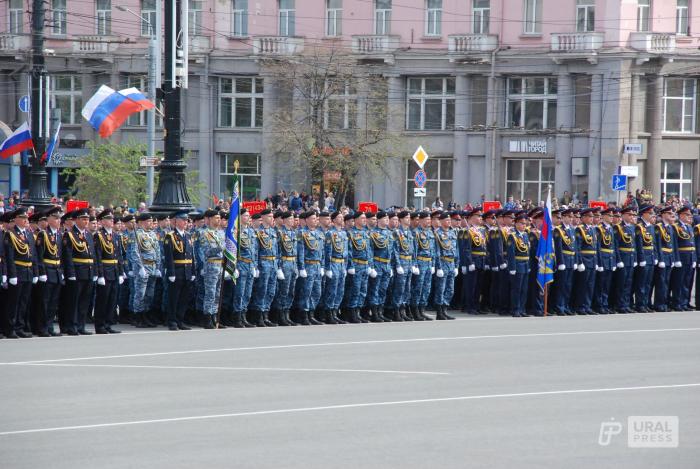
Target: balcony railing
x,y
374,44
94,44
277,45
576,42
654,43
14,42
466,43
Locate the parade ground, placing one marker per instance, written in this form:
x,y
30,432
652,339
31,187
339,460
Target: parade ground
x,y
481,391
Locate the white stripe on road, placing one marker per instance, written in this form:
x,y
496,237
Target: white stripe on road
x,y
232,368
345,406
361,342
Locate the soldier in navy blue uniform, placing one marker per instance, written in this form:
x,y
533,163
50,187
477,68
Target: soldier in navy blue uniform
x,y
625,241
566,259
49,246
518,265
682,277
472,258
80,272
110,275
588,262
497,263
178,262
667,253
609,257
645,248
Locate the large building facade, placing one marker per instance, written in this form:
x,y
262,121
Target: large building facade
x,y
506,96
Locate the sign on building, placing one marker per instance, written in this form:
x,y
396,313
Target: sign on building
x,y
527,146
632,148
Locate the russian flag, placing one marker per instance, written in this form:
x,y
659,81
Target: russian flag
x,y
52,145
20,140
107,110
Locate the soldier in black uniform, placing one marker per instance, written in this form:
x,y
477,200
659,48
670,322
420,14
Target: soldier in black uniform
x,y
110,273
80,272
178,261
20,254
49,247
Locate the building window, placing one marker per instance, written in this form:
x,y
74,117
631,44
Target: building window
x,y
677,178
679,105
532,103
194,20
148,17
643,10
68,97
340,108
58,16
382,17
287,15
104,17
682,18
529,179
582,101
240,102
438,183
334,17
433,17
240,18
140,119
479,99
481,14
248,173
533,17
585,16
431,104
16,25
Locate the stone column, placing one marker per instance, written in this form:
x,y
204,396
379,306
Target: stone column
x,y
208,164
636,118
595,138
394,185
460,176
652,169
562,144
268,166
495,110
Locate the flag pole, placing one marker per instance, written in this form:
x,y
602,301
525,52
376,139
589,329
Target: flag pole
x,y
546,288
225,264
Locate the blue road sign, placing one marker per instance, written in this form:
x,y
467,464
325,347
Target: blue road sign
x,y
24,103
420,178
619,182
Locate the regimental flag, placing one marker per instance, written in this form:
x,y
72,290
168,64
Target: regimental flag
x,y
232,231
545,247
107,110
52,145
20,140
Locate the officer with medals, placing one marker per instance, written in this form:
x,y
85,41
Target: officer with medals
x,y
447,260
80,272
667,254
473,259
287,270
49,247
565,254
625,241
609,258
359,256
518,260
110,275
588,262
682,277
178,263
645,248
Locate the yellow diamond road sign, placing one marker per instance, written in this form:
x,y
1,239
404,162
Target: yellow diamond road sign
x,y
420,157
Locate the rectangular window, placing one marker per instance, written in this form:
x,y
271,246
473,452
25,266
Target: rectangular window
x,y
478,100
529,179
68,97
240,102
240,18
58,16
431,104
287,17
682,17
194,20
248,174
433,16
382,17
148,17
481,14
16,20
340,110
532,103
334,17
533,17
643,11
104,17
438,184
582,102
677,178
679,105
585,16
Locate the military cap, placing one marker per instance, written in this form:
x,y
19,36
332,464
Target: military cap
x,y
277,214
381,214
349,216
106,213
127,218
616,211
557,211
414,215
456,214
358,214
436,214
35,217
335,214
117,219
607,211
66,216
371,215
536,212
3,217
521,216
144,216
162,216
403,214
210,213
489,214
505,213
587,211
81,213
324,214
181,214
392,214
475,212
444,216
683,209
303,215
53,211
285,215
242,211
266,211
223,214
423,215
628,210
645,208
196,216
258,215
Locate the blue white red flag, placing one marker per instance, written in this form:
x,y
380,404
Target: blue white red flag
x,y
107,110
545,246
20,140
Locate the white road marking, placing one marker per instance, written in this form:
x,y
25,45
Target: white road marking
x,y
232,368
361,342
345,406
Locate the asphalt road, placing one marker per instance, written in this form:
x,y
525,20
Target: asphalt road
x,y
477,392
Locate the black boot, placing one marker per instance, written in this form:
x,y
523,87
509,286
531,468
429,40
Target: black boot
x,y
336,316
207,322
421,312
374,314
304,318
244,319
414,311
381,314
330,317
312,320
289,319
445,315
259,318
406,315
237,320
398,317
266,319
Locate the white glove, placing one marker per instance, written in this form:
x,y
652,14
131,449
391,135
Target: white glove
x,y
562,267
280,274
400,271
471,268
661,265
464,270
130,273
323,271
193,278
456,271
391,272
171,279
4,278
599,269
227,276
614,269
236,273
486,267
34,280
303,274
345,271
695,264
512,272
61,278
415,270
158,273
143,274
256,273
13,281
575,266
581,268
432,271
43,278
643,264
677,264
94,279
101,281
503,266
372,273
635,264
72,279
121,279
351,271
329,273
621,265
656,262
440,273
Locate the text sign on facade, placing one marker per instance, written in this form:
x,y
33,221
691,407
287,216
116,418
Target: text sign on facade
x,y
527,146
419,191
632,148
629,171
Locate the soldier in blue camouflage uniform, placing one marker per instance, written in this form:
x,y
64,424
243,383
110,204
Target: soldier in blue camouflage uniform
x,y
226,313
160,291
310,253
335,265
405,255
425,267
144,257
197,229
267,270
447,260
245,270
211,253
359,256
287,270
381,267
